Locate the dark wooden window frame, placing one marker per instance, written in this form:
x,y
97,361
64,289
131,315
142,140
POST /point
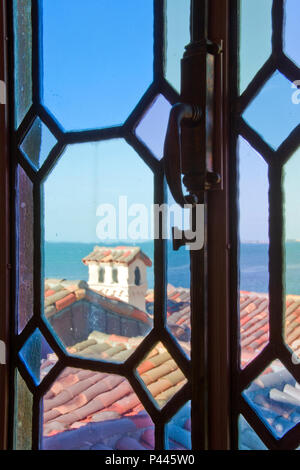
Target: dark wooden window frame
x,y
218,411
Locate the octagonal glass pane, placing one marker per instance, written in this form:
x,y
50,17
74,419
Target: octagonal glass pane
x,y
292,254
104,62
272,113
87,410
253,253
275,398
255,38
291,31
161,375
99,249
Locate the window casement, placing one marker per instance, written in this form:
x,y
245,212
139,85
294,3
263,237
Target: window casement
x,y
204,354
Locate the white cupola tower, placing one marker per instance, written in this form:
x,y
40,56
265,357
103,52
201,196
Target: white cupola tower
x,y
119,272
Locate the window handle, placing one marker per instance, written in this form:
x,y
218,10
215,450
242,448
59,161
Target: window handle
x,y
179,114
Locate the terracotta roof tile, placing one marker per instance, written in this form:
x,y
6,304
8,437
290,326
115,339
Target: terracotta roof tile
x,y
118,254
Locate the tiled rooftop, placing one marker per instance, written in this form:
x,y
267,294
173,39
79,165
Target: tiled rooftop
x,y
60,293
254,323
85,409
118,254
101,409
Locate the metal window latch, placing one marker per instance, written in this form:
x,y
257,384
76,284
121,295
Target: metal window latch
x,y
193,144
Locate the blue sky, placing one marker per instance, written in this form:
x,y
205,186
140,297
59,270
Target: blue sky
x,y
98,62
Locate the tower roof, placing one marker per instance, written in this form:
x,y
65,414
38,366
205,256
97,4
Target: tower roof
x,y
118,254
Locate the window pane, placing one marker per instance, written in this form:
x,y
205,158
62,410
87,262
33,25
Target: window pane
x,y
253,254
248,439
153,127
178,36
98,231
38,143
104,62
255,38
178,278
86,410
292,254
25,248
179,429
23,415
292,17
22,58
161,375
272,113
34,354
275,398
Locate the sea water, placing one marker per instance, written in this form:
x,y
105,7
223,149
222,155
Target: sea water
x,y
64,261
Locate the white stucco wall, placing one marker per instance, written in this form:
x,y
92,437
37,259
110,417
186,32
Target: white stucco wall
x,y
125,289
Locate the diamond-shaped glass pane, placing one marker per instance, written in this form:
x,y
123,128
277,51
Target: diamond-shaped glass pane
x,y
272,113
25,248
23,415
292,254
253,253
153,127
178,36
178,429
87,410
99,249
104,62
37,356
161,375
38,143
292,19
254,48
275,398
248,439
